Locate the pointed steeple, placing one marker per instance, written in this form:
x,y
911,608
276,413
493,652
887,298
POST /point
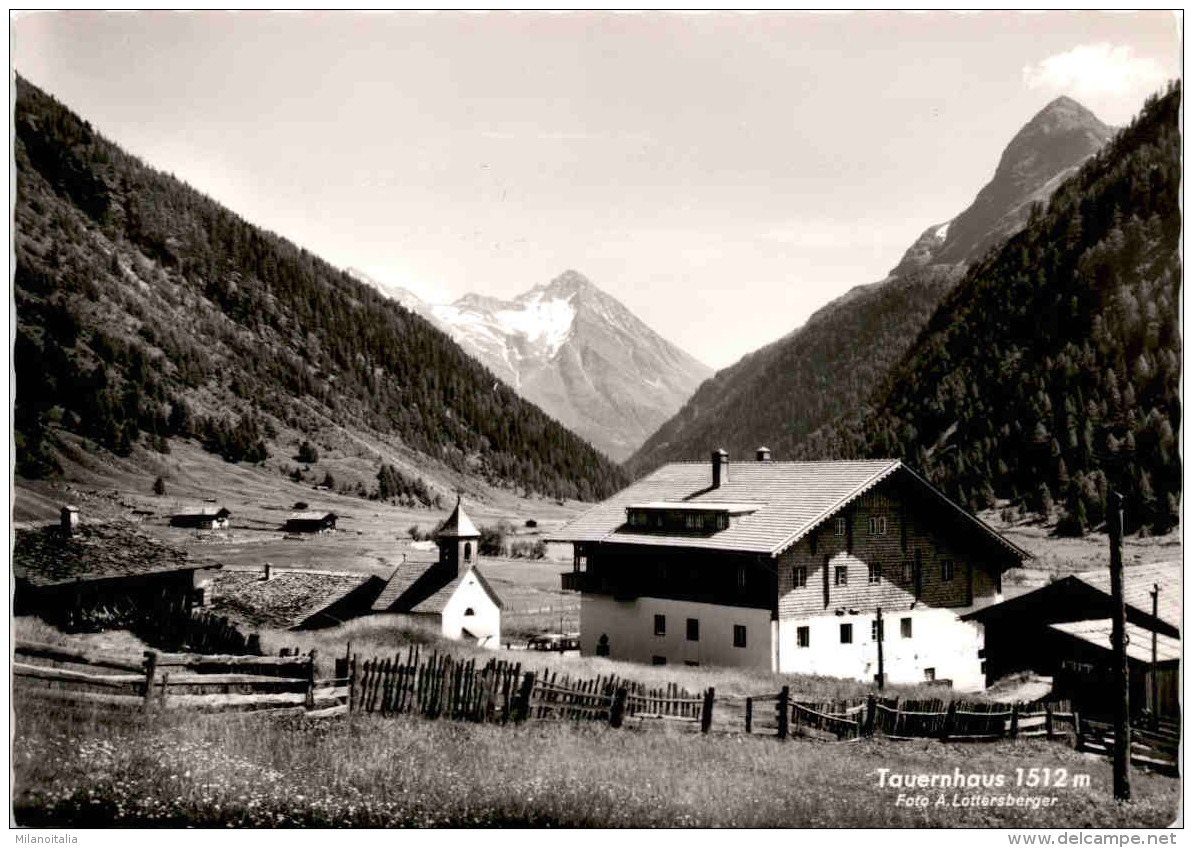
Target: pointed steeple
x,y
458,524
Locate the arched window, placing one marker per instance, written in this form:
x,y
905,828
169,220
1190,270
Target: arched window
x,y
469,611
468,552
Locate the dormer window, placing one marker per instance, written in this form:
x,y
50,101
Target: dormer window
x,y
684,517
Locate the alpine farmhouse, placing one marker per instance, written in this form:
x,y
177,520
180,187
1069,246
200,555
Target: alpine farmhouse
x,y
784,566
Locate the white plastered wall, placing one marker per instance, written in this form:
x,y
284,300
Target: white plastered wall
x,y
939,641
630,626
485,621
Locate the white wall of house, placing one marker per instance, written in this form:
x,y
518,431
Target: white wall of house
x,y
939,641
630,626
471,608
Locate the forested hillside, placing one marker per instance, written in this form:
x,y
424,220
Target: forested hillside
x,y
776,395
146,311
1051,373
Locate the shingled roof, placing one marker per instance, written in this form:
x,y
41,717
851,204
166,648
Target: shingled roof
x,y
793,499
1138,581
436,602
46,556
1139,641
459,525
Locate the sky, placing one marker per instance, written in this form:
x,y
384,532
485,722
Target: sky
x,y
724,175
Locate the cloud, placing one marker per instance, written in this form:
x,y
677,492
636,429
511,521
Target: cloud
x,y
1095,69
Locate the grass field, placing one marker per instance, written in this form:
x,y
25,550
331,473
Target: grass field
x,y
245,770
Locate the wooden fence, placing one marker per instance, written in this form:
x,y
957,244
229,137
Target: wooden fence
x,y
1156,747
210,682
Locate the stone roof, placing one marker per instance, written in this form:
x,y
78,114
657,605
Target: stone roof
x,y
459,525
1139,639
289,598
793,499
46,556
403,577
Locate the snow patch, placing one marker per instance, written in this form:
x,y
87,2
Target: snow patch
x,y
943,230
545,323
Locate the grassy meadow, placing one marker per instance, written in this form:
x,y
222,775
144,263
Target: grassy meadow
x,y
249,770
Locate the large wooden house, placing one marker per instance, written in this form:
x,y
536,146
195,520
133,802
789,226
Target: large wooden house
x,y
784,566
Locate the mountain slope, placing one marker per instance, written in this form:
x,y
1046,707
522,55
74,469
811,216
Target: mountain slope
x,y
578,353
1051,374
146,310
777,395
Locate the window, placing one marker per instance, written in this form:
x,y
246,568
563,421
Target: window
x,y
877,629
579,561
907,571
657,660
877,525
468,552
799,577
691,662
839,529
841,575
739,635
469,611
693,630
946,570
875,573
803,637
930,674
846,634
660,625
741,578
905,628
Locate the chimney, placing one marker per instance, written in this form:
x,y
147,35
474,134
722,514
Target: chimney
x,y
70,520
720,467
762,454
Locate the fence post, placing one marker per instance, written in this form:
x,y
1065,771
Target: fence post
x,y
749,715
150,670
1015,720
617,711
782,711
871,710
310,699
351,685
706,713
950,720
1076,729
1048,722
523,704
161,701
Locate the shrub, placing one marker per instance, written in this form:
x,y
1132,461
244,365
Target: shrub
x,y
307,453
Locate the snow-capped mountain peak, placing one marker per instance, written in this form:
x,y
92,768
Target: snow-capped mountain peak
x,y
578,353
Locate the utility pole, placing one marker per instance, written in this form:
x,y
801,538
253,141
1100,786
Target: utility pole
x,y
1155,679
1122,713
881,676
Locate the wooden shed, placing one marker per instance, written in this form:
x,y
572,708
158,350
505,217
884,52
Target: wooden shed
x,y
311,522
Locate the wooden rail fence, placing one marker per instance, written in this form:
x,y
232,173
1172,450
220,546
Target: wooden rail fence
x,y
498,691
210,682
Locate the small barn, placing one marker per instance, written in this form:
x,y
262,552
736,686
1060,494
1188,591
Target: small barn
x,y
202,518
311,522
294,599
1063,630
450,593
83,576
